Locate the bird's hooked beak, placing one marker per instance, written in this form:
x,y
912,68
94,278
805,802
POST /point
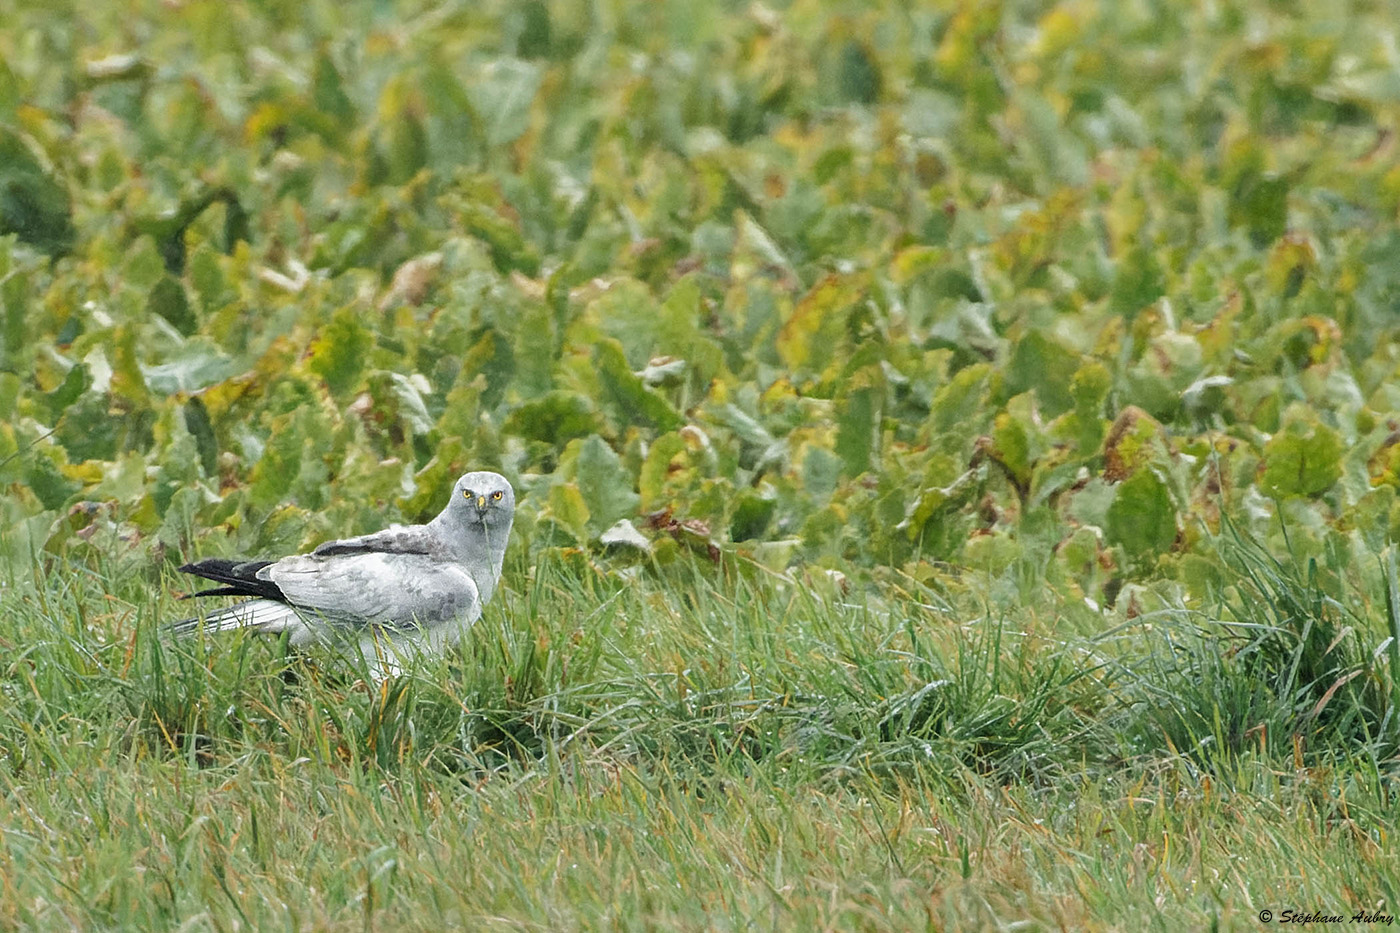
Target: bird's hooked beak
x,y
481,503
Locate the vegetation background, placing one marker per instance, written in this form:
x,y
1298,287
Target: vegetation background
x,y
956,449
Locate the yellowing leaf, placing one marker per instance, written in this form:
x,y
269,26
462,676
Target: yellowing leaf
x,y
808,337
338,354
1134,441
567,507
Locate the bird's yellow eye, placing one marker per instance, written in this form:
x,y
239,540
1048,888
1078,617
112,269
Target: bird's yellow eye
x,y
466,493
497,494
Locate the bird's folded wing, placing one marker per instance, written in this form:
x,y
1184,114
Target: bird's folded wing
x,y
377,588
396,539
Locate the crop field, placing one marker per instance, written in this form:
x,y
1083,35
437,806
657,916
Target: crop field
x,y
956,449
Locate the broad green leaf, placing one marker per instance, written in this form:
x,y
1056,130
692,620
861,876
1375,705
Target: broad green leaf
x,y
168,300
1291,260
915,262
401,138
858,420
535,33
627,312
16,295
1259,203
1384,464
407,393
1018,441
751,516
811,333
680,335
605,485
754,237
857,74
197,366
89,430
1142,518
656,469
74,384
338,355
991,553
1079,553
1170,364
1374,516
9,396
128,376
1042,364
510,250
1305,459
453,123
961,402
282,532
33,204
143,266
180,522
1089,388
503,93
167,231
832,162
821,472
202,430
490,364
945,485
406,146
631,402
1138,280
746,428
535,351
207,278
433,483
294,461
555,418
1134,440
568,508
45,478
953,282
328,92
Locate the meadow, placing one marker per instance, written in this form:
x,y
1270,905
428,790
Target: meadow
x,y
955,449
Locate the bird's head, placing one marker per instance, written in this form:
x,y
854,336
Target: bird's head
x,y
484,498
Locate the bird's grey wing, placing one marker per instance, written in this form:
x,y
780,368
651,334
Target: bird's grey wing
x,y
377,588
396,539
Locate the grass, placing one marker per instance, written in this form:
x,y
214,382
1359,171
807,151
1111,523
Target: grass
x,y
698,749
976,315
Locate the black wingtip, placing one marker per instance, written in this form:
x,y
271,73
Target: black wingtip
x,y
216,591
239,577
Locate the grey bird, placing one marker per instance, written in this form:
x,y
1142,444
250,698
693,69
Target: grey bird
x,y
393,594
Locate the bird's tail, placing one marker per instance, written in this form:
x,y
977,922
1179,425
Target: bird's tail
x,y
262,615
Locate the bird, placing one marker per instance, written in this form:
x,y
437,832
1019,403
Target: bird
x,y
406,591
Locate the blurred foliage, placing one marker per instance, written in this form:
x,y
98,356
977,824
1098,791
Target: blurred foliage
x,y
1036,289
